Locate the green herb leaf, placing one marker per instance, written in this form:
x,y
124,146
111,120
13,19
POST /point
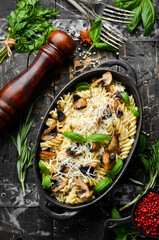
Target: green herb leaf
x,y
136,182
148,16
43,168
125,96
99,137
46,182
82,86
141,144
103,185
134,111
136,19
117,167
105,46
125,4
74,136
145,163
95,30
120,232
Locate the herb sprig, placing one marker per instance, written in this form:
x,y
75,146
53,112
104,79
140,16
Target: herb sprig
x,y
150,162
25,153
30,27
144,10
134,111
92,138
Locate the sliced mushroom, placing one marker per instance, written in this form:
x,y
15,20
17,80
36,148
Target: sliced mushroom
x,y
114,144
85,191
73,152
60,115
118,110
80,103
64,169
108,160
107,79
88,169
76,97
49,133
58,182
106,114
95,146
45,155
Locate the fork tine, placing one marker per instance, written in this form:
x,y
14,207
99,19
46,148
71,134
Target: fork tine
x,y
117,12
109,39
114,20
109,43
117,39
111,30
117,17
119,9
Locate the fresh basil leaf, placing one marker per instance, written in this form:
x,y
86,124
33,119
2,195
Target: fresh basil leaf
x,y
125,4
145,163
117,167
125,96
136,19
46,182
134,111
103,185
74,136
141,144
115,213
119,231
148,16
99,137
82,86
95,30
43,168
105,46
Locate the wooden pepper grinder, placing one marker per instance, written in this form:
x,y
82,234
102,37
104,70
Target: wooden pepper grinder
x,y
20,92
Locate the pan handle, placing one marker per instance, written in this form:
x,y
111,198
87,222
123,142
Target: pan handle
x,y
117,222
56,215
129,70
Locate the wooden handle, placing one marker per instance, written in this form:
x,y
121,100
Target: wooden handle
x,y
19,93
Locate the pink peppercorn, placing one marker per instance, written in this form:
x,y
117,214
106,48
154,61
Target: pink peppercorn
x,y
147,214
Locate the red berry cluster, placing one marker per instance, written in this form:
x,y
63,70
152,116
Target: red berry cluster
x,y
147,214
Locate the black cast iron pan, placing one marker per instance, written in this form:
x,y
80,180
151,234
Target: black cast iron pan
x,y
128,79
130,219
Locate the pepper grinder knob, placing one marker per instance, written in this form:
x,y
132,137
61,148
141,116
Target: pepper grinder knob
x,y
19,93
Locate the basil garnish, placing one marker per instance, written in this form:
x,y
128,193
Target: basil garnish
x,y
46,182
134,111
82,86
43,168
126,98
99,137
144,10
74,136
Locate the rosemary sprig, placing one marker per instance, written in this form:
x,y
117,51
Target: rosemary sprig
x,y
151,163
25,153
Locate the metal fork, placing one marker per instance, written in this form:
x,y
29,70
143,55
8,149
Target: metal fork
x,y
108,35
111,13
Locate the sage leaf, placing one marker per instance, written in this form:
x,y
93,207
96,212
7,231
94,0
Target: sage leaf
x,y
43,168
95,30
82,86
134,111
125,4
148,16
99,137
46,182
125,96
141,144
74,136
